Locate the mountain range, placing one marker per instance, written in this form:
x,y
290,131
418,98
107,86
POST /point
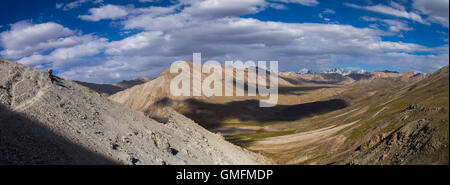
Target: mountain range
x,y
380,117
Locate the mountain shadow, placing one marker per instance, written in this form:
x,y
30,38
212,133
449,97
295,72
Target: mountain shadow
x,y
210,113
24,141
294,90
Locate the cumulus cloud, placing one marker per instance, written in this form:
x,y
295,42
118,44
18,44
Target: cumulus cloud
x,y
139,43
151,21
117,68
167,34
66,57
90,48
223,8
105,12
48,43
24,38
309,45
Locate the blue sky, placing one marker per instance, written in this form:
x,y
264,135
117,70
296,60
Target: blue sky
x,y
106,41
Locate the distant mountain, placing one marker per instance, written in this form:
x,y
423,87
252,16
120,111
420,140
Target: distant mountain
x,y
340,71
125,84
341,76
109,89
387,71
305,71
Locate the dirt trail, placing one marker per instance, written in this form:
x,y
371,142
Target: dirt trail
x,y
345,113
299,139
377,113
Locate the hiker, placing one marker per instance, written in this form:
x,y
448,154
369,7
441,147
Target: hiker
x,y
50,75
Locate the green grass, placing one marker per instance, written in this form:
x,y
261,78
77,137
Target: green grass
x,y
317,159
358,132
393,108
255,123
240,124
246,140
245,143
391,127
398,106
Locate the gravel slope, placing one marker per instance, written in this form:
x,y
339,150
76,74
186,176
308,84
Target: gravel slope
x,y
65,123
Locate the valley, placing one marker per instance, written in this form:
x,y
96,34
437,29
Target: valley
x,y
320,122
393,118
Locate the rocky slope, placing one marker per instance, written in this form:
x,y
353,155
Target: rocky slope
x,y
66,123
413,128
387,122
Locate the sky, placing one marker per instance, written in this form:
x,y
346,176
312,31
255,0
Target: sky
x,y
106,41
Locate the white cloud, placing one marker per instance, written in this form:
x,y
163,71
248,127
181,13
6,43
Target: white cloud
x,y
294,45
150,21
59,5
424,11
148,1
277,6
302,2
48,43
67,56
223,8
325,12
105,12
117,68
75,4
156,10
140,42
328,11
397,6
391,24
391,11
436,10
24,38
168,34
90,48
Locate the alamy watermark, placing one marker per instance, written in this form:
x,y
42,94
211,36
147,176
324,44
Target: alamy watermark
x,y
233,73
